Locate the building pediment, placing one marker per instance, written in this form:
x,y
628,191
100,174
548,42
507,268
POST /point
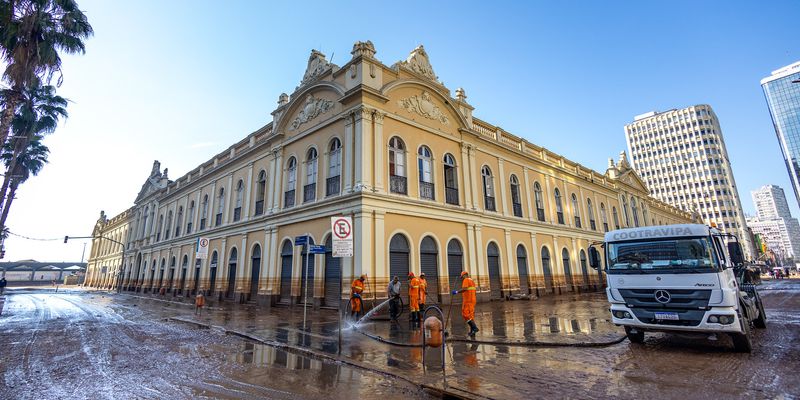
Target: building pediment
x,y
631,178
154,183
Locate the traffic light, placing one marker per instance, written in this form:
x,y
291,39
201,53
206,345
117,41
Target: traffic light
x,y
66,238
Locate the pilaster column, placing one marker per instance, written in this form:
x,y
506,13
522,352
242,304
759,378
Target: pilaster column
x,y
512,269
198,208
272,258
570,221
248,190
362,131
230,198
271,177
349,153
277,181
480,265
466,176
526,186
502,197
242,273
211,205
379,150
380,247
363,251
471,265
551,204
536,255
222,270
576,260
475,174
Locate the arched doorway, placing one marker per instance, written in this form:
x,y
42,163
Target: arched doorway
x,y
455,264
522,267
135,282
212,280
398,260
429,264
493,261
547,271
286,272
255,271
333,284
584,269
308,268
567,269
232,260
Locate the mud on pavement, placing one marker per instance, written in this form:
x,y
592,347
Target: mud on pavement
x,y
72,346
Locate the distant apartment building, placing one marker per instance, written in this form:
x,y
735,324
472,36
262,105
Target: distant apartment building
x,y
774,222
782,91
681,156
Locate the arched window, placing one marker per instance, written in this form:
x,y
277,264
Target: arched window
x,y
291,182
220,207
261,192
559,207
204,213
516,202
635,212
397,166
168,228
179,222
604,217
616,217
625,211
334,168
310,189
547,270
425,171
537,195
237,212
576,212
590,210
450,180
159,227
488,188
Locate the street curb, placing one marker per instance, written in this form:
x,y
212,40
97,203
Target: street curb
x,y
168,301
442,393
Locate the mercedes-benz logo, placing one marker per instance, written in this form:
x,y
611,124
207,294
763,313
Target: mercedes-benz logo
x,y
662,296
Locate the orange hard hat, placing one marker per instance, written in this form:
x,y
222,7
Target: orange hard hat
x,y
464,273
410,274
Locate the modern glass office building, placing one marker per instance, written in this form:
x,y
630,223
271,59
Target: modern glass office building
x,y
782,90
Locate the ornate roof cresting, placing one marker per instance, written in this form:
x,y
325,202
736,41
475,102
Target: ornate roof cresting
x,y
418,62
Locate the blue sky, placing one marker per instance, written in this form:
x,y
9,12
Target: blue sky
x,y
180,81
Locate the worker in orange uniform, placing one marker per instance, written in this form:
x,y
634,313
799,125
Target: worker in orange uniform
x,y
414,285
423,292
468,301
355,296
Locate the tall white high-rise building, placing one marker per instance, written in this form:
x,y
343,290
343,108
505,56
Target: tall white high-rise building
x,y
681,156
770,202
774,223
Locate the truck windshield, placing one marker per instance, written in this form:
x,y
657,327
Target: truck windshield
x,y
679,255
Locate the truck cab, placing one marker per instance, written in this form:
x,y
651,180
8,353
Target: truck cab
x,y
686,278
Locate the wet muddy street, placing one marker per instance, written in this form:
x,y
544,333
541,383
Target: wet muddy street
x,y
92,345
81,346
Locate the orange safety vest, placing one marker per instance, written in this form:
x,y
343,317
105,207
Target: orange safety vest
x,y
357,287
413,288
469,289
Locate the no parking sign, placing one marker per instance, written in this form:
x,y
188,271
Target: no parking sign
x,y
342,228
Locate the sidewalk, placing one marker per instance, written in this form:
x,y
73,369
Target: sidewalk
x,y
473,370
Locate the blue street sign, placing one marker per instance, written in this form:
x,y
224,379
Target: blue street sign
x,y
300,240
317,249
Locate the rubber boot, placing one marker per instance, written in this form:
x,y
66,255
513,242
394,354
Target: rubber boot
x,y
473,329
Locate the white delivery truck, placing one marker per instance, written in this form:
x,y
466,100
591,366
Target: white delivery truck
x,y
686,278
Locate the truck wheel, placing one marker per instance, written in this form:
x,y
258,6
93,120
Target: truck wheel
x,y
761,321
637,337
742,342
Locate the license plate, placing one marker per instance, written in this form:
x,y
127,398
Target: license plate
x,y
667,315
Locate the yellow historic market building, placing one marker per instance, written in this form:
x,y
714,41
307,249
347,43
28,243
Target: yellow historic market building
x,y
430,188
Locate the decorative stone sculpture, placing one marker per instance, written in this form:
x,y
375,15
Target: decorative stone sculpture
x,y
364,49
423,105
418,62
312,108
461,95
283,99
317,64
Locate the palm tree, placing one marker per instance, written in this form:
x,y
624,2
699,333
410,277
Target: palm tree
x,y
37,115
32,33
27,163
